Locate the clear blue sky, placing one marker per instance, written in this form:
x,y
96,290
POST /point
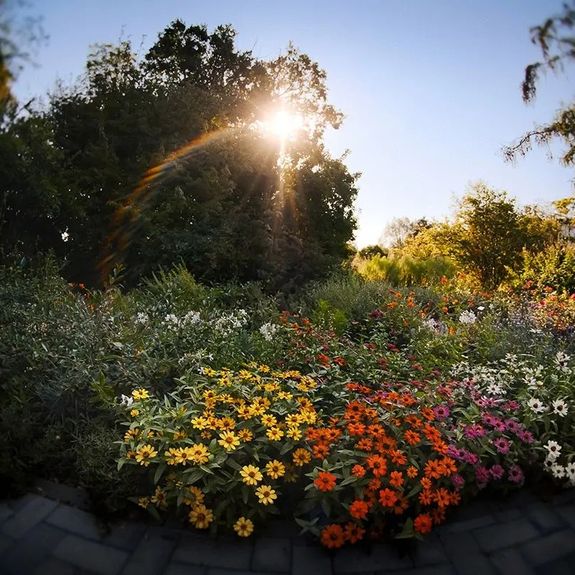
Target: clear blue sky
x,y
430,89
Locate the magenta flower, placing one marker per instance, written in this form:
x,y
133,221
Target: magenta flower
x,y
441,411
515,474
511,405
513,425
482,475
525,436
497,471
470,458
502,445
474,431
458,481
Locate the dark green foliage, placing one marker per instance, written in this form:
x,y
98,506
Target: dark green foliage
x,y
219,196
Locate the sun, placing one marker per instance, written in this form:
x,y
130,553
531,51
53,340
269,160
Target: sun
x,y
283,124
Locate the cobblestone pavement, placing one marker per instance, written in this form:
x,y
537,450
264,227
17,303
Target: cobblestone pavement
x,y
48,536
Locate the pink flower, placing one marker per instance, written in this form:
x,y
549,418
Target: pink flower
x,y
458,481
497,471
515,474
441,411
474,431
502,445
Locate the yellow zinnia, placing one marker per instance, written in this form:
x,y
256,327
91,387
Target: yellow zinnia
x,y
275,469
266,495
140,394
198,453
244,527
229,440
144,454
301,457
251,475
201,517
274,433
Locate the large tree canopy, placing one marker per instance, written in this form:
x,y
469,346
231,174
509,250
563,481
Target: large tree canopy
x,y
165,159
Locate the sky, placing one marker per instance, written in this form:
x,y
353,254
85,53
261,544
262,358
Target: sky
x,y
430,90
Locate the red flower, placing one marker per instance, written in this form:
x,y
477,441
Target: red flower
x,y
325,481
323,359
332,536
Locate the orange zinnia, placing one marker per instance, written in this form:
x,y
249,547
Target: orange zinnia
x,y
377,464
423,523
325,481
359,509
387,497
354,532
358,470
333,536
396,479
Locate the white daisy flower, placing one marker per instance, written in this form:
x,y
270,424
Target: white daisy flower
x,y
558,471
536,405
559,407
553,450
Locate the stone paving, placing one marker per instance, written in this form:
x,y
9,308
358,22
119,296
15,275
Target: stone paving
x,y
49,536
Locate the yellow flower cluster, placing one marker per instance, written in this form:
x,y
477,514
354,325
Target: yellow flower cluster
x,y
197,453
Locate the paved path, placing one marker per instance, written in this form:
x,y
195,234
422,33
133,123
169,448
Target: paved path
x,y
46,536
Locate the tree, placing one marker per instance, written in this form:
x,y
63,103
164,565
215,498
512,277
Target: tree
x,y
163,160
556,40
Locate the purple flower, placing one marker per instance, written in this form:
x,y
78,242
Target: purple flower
x,y
525,436
482,475
441,411
454,452
502,445
515,474
474,431
458,481
499,426
470,458
497,471
513,425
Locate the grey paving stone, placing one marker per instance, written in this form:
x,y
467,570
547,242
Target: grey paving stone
x,y
459,544
568,514
469,524
272,554
5,543
5,512
201,550
559,567
431,570
430,551
544,517
76,521
152,553
75,496
506,515
473,564
90,555
504,535
125,535
310,561
510,561
282,528
54,567
220,571
181,569
357,560
26,517
30,551
550,547
566,497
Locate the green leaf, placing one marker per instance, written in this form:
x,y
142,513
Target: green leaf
x,y
159,472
